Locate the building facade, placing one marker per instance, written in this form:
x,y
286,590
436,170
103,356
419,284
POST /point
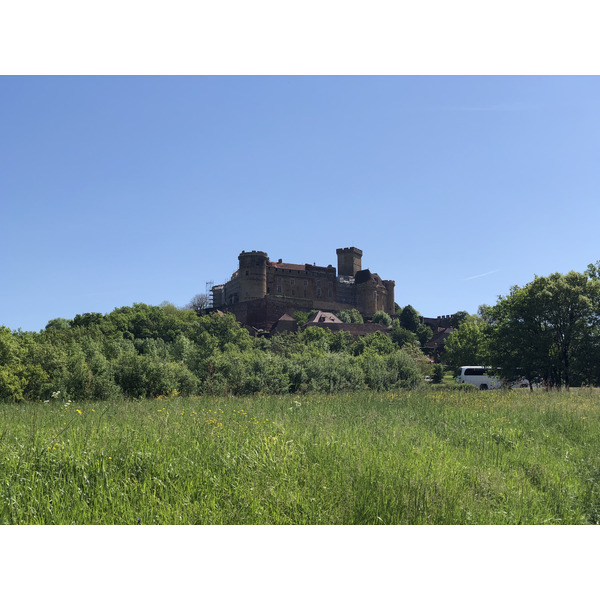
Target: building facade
x,y
260,283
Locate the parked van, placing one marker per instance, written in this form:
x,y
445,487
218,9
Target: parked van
x,y
478,376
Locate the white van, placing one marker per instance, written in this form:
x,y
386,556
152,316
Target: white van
x,y
478,376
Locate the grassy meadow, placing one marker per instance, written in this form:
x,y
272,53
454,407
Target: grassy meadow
x,y
430,456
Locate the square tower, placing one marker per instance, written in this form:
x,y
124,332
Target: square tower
x,y
349,261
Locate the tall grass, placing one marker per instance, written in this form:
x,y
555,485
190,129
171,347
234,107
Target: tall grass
x,y
437,456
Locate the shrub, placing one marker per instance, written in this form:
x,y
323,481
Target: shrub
x,y
401,336
11,386
382,317
350,316
377,342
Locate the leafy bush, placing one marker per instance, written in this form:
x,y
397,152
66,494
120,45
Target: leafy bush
x,y
378,343
401,336
438,373
350,316
389,372
148,351
382,317
11,385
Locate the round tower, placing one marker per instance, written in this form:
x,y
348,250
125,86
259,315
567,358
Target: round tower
x,y
390,284
367,297
252,275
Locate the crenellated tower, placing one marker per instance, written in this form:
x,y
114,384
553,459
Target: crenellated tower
x,y
349,261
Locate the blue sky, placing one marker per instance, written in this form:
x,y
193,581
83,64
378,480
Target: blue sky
x,y
115,190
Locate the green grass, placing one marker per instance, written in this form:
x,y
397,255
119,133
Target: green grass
x,y
434,456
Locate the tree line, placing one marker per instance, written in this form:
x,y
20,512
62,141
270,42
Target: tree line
x,y
547,331
148,351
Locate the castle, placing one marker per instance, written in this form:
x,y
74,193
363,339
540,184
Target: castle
x,y
262,291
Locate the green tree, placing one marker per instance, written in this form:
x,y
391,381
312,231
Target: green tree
x,y
409,318
548,329
303,317
350,316
424,333
59,323
438,373
401,336
9,347
382,317
378,343
467,345
457,318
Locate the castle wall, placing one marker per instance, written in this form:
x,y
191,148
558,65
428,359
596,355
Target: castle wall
x,y
232,291
346,291
309,283
303,287
265,312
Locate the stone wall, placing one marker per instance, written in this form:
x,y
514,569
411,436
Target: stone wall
x,y
305,286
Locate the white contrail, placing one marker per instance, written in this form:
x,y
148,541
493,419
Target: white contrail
x,y
482,275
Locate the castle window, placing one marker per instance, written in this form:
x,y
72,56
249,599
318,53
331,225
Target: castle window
x,y
293,292
318,292
305,282
292,282
246,272
330,290
279,290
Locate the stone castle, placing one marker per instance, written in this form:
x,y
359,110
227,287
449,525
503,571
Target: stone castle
x,y
262,291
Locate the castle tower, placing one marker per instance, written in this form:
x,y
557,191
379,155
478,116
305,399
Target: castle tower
x,y
252,275
368,297
390,307
349,261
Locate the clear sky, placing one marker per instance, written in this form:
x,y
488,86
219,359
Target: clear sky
x,y
115,190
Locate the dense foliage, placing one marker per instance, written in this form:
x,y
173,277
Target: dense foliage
x,y
146,351
547,331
